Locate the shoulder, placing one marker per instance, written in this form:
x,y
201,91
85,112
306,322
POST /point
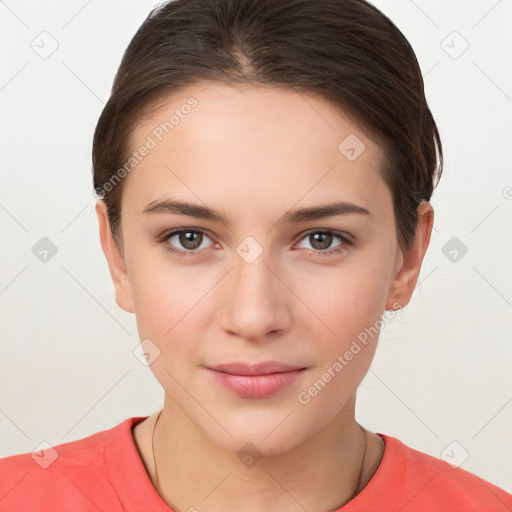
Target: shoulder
x,y
51,476
430,483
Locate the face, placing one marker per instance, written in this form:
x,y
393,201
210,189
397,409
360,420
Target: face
x,y
259,272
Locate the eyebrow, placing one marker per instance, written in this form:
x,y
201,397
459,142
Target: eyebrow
x,y
168,206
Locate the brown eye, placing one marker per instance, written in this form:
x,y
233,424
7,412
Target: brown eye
x,y
321,242
185,241
190,239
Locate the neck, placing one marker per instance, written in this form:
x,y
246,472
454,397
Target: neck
x,y
321,473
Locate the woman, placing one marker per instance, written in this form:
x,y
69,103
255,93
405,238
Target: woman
x,y
264,171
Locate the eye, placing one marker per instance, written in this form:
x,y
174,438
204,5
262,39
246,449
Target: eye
x,y
320,241
190,239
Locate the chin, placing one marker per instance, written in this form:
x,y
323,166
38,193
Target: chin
x,y
258,444
259,434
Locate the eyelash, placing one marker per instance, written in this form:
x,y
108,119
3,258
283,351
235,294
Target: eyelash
x,y
346,241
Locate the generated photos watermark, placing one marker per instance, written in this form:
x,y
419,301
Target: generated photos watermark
x,y
304,397
157,135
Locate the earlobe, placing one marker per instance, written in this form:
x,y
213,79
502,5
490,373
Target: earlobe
x,y
115,260
404,282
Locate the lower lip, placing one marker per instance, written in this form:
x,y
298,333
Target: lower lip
x,y
256,386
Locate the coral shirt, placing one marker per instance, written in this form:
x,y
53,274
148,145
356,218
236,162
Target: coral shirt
x,y
104,472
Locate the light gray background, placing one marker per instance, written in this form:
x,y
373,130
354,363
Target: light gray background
x,y
442,369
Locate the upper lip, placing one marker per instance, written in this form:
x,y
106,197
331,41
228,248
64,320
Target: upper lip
x,y
264,368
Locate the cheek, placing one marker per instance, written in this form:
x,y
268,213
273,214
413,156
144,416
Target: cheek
x,y
166,295
167,304
343,301
347,327
347,351
172,307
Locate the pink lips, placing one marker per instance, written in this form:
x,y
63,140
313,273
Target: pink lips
x,y
255,381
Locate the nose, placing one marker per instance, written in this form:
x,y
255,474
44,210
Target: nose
x,y
254,305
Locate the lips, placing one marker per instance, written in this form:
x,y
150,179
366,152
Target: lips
x,y
265,368
255,380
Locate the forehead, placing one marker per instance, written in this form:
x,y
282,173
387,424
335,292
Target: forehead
x,y
267,142
265,108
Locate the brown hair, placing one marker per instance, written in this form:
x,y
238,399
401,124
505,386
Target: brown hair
x,y
345,51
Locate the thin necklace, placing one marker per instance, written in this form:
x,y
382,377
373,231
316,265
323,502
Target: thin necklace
x,y
354,494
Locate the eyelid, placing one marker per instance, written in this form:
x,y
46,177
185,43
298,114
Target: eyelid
x,y
341,234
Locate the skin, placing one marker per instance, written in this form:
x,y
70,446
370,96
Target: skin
x,y
252,154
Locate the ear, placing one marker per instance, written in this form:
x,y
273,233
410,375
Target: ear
x,y
409,264
115,260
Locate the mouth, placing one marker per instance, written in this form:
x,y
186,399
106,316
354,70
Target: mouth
x,y
264,368
256,380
